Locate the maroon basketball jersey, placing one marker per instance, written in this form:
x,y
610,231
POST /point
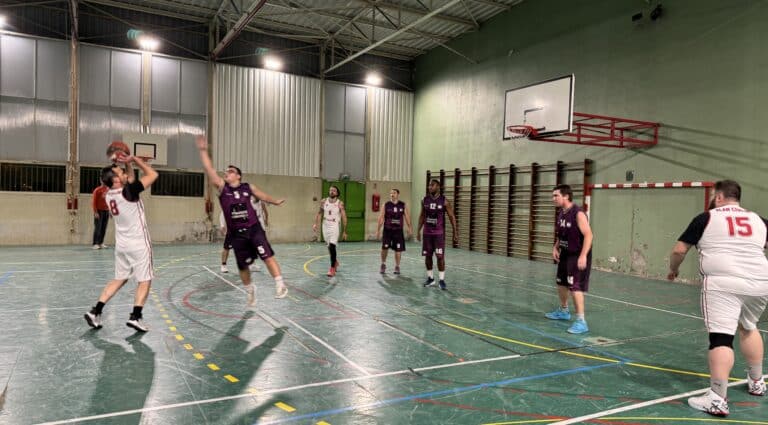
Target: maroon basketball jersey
x,y
568,233
393,215
237,207
434,214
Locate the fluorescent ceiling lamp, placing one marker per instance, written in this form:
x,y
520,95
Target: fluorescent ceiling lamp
x,y
373,79
271,62
148,43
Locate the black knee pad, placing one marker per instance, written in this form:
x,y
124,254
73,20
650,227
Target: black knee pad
x,y
720,340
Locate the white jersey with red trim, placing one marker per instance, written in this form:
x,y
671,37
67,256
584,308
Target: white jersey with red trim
x,y
127,210
331,213
731,252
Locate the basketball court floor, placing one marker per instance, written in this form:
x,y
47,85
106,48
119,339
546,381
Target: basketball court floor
x,y
361,348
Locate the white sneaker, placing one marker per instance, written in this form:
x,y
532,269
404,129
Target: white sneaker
x,y
250,291
756,386
96,247
103,246
711,403
254,267
94,320
281,291
224,269
137,324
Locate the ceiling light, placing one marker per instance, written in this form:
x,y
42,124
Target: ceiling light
x,y
148,43
271,62
373,79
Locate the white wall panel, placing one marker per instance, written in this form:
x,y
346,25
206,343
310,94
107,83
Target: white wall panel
x,y
391,138
17,66
266,122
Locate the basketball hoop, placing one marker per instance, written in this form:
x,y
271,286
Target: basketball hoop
x,y
521,131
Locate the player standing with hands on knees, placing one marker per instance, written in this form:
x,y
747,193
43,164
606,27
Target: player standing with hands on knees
x,y
248,237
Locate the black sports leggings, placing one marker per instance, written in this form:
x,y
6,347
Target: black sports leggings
x,y
332,250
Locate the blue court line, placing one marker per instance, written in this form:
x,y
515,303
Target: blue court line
x,y
437,393
563,340
5,276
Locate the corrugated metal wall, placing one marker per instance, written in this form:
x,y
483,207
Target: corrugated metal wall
x,y
391,138
266,122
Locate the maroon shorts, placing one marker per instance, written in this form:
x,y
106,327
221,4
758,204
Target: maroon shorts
x,y
250,243
393,239
433,245
569,275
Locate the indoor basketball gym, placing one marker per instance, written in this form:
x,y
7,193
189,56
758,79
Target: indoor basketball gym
x,y
641,107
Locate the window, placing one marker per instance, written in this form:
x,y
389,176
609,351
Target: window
x,y
178,183
90,178
32,178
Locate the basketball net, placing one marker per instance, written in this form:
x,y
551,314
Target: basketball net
x,y
521,131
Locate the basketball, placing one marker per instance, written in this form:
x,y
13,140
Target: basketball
x,y
117,147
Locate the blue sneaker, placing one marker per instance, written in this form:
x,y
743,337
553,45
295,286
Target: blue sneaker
x,y
442,285
558,314
430,282
578,327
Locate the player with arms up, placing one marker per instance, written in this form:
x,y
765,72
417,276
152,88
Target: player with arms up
x,y
133,249
249,239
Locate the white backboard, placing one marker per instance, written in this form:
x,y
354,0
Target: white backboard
x,y
151,145
547,106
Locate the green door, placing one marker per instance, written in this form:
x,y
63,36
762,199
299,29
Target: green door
x,y
353,196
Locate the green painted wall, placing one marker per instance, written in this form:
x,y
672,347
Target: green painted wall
x,y
701,71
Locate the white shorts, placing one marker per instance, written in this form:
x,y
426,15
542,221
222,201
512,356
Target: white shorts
x,y
723,311
136,264
331,234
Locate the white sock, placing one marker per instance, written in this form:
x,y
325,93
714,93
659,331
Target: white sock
x,y
279,281
430,274
755,371
579,316
441,275
719,387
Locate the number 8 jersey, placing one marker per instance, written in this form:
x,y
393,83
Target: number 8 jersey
x,y
730,241
127,209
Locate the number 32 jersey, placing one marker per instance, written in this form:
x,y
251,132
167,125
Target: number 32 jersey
x,y
731,241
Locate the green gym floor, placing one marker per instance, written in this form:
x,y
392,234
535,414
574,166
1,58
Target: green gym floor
x,y
361,348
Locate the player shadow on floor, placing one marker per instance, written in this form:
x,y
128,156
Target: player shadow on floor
x,y
244,363
124,376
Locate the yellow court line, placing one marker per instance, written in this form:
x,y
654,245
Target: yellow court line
x,y
525,344
532,421
285,407
313,259
231,378
188,346
179,337
586,356
168,321
172,328
198,356
252,390
322,423
213,366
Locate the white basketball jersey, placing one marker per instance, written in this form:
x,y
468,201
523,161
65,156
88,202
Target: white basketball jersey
x,y
331,213
131,231
731,252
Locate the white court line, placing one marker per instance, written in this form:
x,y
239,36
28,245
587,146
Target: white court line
x,y
330,348
87,307
640,405
311,335
267,318
107,269
277,390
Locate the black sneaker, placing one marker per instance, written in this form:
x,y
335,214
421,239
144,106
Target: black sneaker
x,y
94,320
137,324
430,282
442,285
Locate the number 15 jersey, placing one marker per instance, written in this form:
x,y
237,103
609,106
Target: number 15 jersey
x,y
731,241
